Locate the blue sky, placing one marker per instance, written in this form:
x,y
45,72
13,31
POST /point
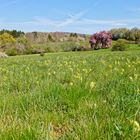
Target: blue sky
x,y
83,16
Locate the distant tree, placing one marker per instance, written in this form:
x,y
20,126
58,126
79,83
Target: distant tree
x,y
50,38
22,40
101,40
14,33
119,33
73,35
123,33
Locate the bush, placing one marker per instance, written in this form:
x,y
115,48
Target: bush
x,y
49,49
42,54
120,45
101,40
6,40
11,52
37,51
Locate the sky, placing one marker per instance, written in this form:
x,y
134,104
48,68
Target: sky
x,y
81,16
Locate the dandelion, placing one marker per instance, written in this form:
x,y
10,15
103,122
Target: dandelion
x,y
136,125
49,74
95,105
37,82
92,85
71,84
78,77
129,66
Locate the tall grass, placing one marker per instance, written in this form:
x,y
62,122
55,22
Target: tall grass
x,y
79,96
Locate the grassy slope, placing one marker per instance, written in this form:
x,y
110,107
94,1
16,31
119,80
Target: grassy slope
x,y
85,95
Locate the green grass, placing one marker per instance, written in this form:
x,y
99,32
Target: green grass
x,y
73,96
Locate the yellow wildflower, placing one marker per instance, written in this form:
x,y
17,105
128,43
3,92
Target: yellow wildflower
x,y
92,85
71,84
136,125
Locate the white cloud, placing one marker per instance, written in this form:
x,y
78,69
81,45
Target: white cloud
x,y
78,20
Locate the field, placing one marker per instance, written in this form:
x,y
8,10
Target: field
x,y
72,96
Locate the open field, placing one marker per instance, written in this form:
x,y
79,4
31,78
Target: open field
x,y
72,96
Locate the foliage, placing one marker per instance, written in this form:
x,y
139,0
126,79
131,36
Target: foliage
x,y
13,33
123,33
42,54
12,51
6,39
73,35
22,40
50,38
101,40
120,45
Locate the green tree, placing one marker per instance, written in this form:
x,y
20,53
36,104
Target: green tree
x,y
50,38
22,40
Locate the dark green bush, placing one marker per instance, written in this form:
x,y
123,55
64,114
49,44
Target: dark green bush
x,y
42,54
120,45
37,51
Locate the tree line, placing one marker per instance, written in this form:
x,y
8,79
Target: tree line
x,y
14,33
124,33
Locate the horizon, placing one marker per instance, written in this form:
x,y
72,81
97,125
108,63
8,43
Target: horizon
x,y
84,17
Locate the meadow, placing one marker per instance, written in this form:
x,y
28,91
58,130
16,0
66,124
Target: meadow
x,y
91,95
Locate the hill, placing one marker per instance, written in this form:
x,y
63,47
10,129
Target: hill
x,y
37,37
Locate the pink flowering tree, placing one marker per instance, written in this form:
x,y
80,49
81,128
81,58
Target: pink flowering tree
x,y
101,40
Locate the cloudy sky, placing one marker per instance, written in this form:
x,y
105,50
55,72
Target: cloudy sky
x,y
83,16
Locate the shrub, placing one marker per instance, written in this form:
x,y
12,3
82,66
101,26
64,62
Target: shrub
x,y
22,40
37,51
6,40
101,40
50,38
49,49
13,33
11,51
120,45
69,46
80,48
42,54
